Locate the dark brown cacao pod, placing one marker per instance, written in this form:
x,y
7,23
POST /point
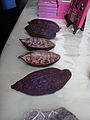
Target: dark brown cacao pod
x,y
36,43
45,23
39,31
40,58
43,82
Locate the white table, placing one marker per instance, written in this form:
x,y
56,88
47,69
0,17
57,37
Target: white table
x,y
75,55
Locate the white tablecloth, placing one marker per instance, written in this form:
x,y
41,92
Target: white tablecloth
x,y
75,55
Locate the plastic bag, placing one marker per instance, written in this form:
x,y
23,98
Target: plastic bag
x,y
58,114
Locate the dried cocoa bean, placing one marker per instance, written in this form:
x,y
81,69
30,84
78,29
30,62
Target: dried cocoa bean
x,y
43,82
40,58
36,43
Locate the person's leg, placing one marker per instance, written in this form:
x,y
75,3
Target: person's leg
x,y
20,4
8,19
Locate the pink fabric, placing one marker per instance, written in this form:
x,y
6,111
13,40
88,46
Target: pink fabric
x,y
63,9
51,6
47,15
51,3
47,9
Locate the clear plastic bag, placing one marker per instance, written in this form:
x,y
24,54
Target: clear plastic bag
x,y
58,114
